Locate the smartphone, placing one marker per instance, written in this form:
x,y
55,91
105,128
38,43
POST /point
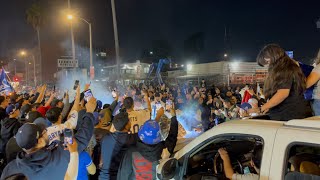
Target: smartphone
x,y
54,88
154,112
87,95
168,105
76,84
68,136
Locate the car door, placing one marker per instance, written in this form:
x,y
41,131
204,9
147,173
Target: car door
x,y
286,138
265,131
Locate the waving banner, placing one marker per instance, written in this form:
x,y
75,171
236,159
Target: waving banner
x,y
5,86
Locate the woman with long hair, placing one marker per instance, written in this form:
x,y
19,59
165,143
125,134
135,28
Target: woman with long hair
x,y
313,79
284,85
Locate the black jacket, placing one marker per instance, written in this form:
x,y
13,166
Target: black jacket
x,y
144,158
45,164
113,147
9,127
2,113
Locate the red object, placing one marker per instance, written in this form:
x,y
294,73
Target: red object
x,y
43,110
246,97
92,72
15,79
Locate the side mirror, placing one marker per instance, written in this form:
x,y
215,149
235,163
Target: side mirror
x,y
168,168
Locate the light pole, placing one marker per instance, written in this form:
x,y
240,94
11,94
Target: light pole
x,y
34,71
116,39
24,54
70,17
15,67
72,36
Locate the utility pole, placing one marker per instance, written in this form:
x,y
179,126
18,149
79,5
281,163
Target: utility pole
x,y
72,36
116,39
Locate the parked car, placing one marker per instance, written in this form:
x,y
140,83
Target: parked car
x,y
291,150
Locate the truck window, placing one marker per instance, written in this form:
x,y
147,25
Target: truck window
x,y
303,162
205,162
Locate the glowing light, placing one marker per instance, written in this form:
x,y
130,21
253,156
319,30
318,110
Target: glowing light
x,y
23,53
234,65
225,55
189,67
69,16
182,65
151,52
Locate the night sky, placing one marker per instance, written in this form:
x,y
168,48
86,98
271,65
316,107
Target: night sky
x,y
251,25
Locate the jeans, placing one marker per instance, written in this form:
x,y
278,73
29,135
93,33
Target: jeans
x,y
316,107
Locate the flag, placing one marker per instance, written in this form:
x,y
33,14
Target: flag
x,y
5,86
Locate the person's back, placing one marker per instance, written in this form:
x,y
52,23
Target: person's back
x,y
44,164
9,127
114,145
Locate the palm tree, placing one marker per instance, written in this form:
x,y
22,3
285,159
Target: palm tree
x,y
34,17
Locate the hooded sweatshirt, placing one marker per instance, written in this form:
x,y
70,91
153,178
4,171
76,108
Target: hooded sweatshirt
x,y
50,165
140,162
9,127
113,147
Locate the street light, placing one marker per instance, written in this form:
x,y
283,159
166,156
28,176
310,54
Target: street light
x,y
23,54
225,55
70,17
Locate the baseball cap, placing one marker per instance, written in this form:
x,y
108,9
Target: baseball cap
x,y
149,133
99,104
28,135
245,106
10,109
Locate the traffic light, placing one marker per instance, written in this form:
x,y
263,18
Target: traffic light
x,y
15,79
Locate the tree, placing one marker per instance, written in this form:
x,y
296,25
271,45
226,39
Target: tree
x,y
34,17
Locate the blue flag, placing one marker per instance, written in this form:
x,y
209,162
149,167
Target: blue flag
x,y
5,86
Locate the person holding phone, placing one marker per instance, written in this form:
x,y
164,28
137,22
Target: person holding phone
x,y
36,162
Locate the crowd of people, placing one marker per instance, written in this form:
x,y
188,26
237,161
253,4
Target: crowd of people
x,y
128,138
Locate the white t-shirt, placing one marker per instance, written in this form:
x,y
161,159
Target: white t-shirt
x,y
137,119
55,131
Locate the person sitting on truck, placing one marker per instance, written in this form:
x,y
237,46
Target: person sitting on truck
x,y
255,163
284,86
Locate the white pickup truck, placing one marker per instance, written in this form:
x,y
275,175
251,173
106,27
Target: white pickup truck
x,y
291,150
